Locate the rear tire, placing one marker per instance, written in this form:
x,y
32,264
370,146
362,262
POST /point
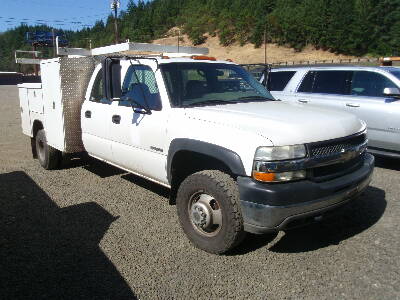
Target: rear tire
x,y
209,211
49,158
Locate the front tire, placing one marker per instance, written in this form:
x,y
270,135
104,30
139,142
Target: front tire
x,y
49,158
209,211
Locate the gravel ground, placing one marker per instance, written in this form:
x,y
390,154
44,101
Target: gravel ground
x,y
94,231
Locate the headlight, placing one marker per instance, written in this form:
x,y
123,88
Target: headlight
x,y
264,155
280,153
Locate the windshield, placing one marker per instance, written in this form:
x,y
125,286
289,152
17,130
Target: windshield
x,y
396,73
196,84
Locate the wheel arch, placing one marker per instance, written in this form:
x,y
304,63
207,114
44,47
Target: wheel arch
x,y
204,156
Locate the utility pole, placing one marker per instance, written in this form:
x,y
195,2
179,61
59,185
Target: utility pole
x,y
115,4
179,37
265,44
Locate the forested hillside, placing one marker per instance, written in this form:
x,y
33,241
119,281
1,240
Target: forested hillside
x,y
354,27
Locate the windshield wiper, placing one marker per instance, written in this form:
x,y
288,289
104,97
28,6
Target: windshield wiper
x,y
255,98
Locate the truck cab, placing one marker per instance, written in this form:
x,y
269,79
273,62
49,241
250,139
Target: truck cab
x,y
235,159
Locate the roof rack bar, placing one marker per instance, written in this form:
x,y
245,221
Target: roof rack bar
x,y
28,51
144,47
131,47
28,61
71,51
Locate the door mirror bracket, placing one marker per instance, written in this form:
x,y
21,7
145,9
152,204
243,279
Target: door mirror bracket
x,y
141,111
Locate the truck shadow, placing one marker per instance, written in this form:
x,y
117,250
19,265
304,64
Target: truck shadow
x,y
95,166
387,163
349,220
48,252
147,184
104,170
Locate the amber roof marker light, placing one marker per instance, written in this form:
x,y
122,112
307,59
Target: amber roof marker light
x,y
202,57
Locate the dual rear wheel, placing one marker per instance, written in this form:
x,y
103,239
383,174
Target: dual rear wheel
x,y
49,158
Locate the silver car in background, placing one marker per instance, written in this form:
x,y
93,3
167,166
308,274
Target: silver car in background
x,y
371,93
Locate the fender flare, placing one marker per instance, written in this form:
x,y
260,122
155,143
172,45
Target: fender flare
x,y
229,157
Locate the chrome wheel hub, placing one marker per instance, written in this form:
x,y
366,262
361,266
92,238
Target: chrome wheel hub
x,y
205,214
201,216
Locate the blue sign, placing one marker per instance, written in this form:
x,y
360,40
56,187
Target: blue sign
x,y
43,38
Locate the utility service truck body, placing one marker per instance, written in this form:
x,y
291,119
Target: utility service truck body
x,y
235,159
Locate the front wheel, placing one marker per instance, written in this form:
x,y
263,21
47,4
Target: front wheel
x,y
49,158
209,211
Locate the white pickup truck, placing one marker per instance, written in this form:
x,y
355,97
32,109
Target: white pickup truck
x,y
235,159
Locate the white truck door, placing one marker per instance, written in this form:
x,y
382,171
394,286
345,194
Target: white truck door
x,y
139,140
95,117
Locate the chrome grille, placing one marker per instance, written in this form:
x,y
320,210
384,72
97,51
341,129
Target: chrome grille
x,y
340,145
343,148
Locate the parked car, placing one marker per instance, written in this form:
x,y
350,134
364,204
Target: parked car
x,y
371,93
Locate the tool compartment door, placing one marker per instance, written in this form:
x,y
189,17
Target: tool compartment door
x,y
24,109
35,100
53,110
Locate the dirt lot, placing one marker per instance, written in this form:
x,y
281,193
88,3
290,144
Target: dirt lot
x,y
92,231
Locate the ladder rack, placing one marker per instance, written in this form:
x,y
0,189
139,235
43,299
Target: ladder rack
x,y
27,61
144,49
131,47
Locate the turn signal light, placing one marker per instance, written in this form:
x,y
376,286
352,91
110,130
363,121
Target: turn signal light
x,y
279,177
266,177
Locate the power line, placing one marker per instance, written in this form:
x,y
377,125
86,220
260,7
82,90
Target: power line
x,y
54,4
71,23
54,20
15,24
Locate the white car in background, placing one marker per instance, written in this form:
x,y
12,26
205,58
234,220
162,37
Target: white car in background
x,y
371,93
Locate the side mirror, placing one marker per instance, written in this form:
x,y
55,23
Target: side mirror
x,y
132,96
111,78
391,92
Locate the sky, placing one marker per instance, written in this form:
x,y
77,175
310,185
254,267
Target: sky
x,y
64,14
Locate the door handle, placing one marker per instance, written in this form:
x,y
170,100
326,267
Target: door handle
x,y
88,114
352,105
116,119
302,100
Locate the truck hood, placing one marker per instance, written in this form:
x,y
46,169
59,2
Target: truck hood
x,y
281,123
